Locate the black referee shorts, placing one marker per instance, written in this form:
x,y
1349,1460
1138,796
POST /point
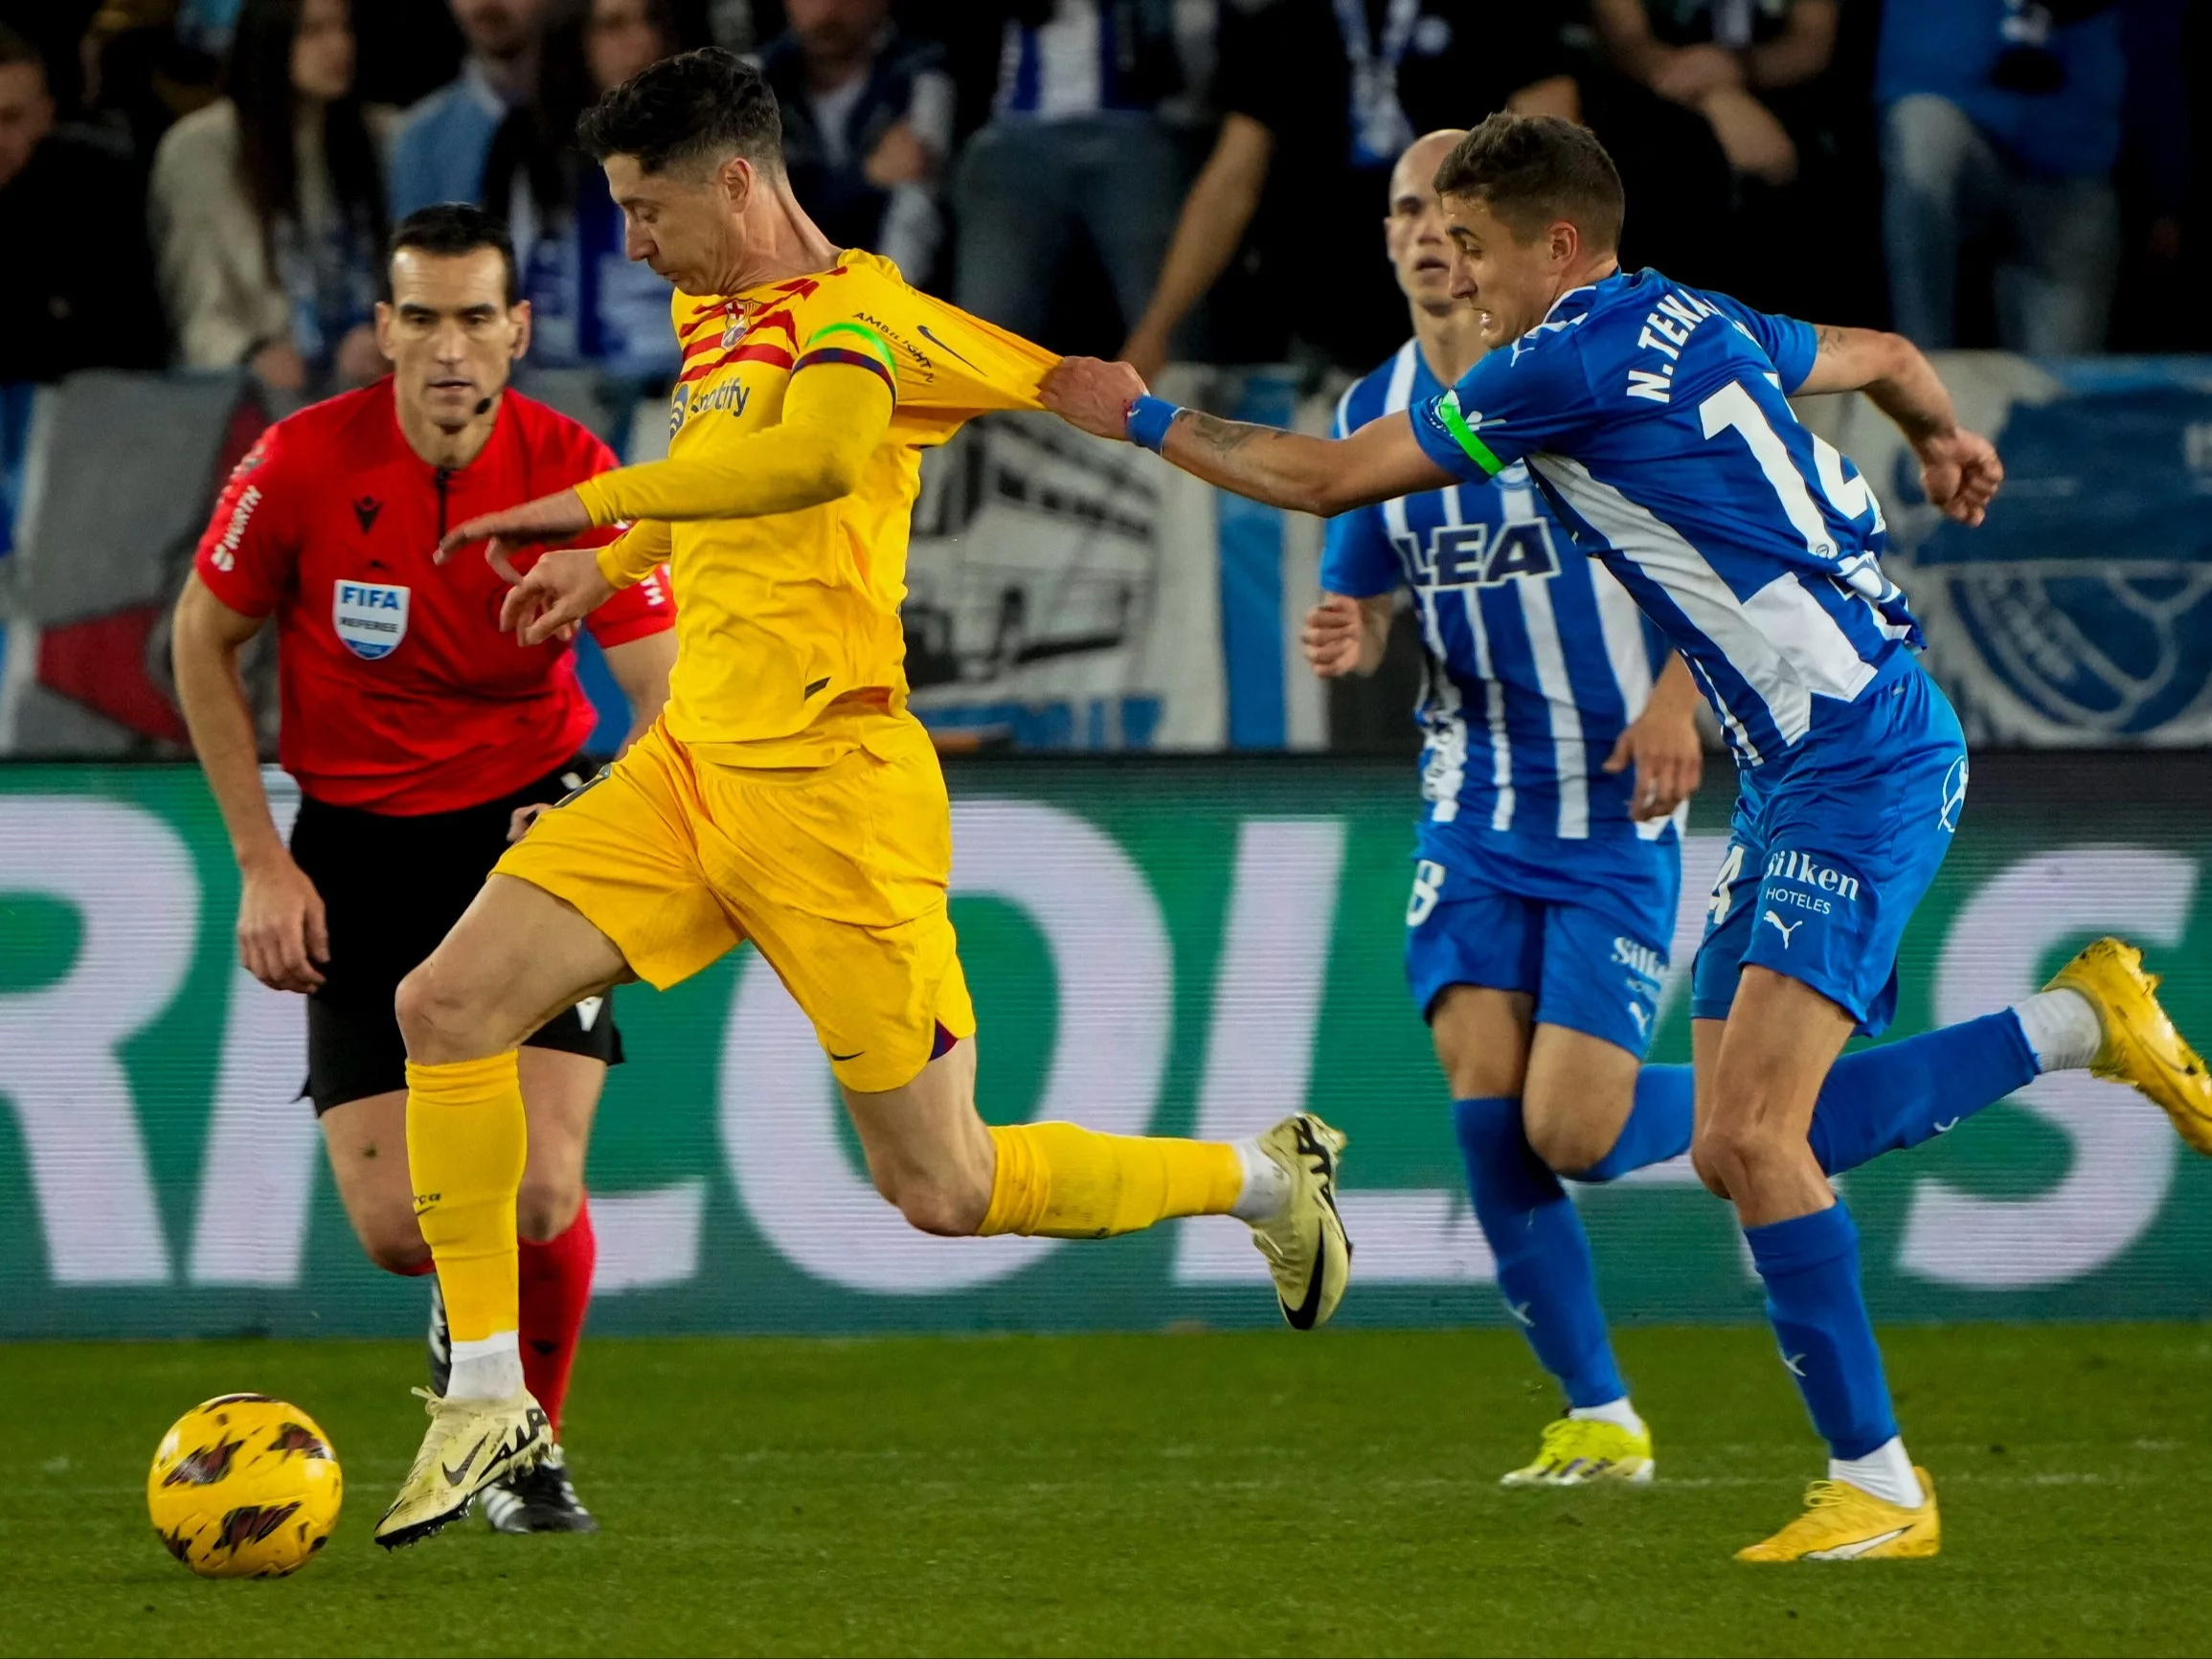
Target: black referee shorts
x,y
392,888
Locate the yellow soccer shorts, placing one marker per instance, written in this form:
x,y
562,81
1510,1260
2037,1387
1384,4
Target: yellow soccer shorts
x,y
836,873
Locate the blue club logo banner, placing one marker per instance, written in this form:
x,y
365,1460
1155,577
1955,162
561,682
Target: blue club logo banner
x,y
2080,615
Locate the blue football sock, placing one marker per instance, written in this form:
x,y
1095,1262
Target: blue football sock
x,y
1658,1127
1544,1267
1902,1093
1875,1101
1810,1268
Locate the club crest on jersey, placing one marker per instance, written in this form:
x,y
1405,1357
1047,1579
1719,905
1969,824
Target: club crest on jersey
x,y
371,618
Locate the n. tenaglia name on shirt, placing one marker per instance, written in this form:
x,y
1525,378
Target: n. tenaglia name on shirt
x,y
1666,330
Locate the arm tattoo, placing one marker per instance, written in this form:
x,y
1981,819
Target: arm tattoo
x,y
1225,437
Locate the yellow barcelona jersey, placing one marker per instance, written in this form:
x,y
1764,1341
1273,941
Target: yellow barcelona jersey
x,y
787,603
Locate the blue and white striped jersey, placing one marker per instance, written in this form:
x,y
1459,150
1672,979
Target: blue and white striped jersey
x,y
1655,418
1536,658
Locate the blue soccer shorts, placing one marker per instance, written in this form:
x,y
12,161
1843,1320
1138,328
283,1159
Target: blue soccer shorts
x,y
1582,927
1829,854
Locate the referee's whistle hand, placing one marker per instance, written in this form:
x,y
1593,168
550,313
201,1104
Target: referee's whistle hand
x,y
549,517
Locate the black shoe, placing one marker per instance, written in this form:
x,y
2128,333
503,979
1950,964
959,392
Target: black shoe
x,y
440,1341
539,1500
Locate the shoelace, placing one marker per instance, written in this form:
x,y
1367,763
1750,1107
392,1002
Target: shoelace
x,y
1828,1494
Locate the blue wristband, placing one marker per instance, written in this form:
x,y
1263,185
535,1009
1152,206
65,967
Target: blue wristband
x,y
1148,420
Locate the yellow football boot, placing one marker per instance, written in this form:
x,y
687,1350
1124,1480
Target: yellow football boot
x,y
1577,1450
471,1444
1843,1523
1306,1246
2141,1046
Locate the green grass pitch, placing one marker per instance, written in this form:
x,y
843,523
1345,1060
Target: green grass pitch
x,y
1199,1493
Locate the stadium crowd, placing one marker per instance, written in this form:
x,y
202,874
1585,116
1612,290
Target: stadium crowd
x,y
1148,178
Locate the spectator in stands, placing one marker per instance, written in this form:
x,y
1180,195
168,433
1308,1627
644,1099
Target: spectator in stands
x,y
1727,117
1317,99
1073,151
439,146
141,73
269,211
589,303
57,29
741,26
77,280
867,123
1726,59
2002,116
407,50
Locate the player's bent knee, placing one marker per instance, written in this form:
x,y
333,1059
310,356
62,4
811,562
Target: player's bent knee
x,y
437,1011
545,1210
396,1245
1735,1161
1567,1145
947,1208
1710,1170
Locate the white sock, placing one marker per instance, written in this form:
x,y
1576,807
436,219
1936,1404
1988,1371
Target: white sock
x,y
1266,1185
2060,1029
1618,1412
487,1370
1886,1472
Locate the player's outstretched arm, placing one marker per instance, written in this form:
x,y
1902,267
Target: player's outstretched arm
x,y
1959,469
1322,476
834,417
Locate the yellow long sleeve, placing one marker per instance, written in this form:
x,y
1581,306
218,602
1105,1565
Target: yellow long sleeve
x,y
834,417
637,553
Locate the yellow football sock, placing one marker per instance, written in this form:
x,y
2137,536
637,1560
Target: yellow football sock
x,y
1064,1181
465,1143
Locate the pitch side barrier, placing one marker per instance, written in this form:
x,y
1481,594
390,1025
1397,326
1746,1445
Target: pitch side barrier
x,y
1072,594
1177,946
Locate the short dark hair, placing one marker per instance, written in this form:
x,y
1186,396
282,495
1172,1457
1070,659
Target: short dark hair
x,y
16,48
449,229
696,105
1535,169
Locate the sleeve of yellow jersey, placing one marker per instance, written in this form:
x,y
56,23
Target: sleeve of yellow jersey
x,y
637,553
835,412
896,350
957,364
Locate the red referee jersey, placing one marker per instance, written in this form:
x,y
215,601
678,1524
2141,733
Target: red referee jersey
x,y
399,692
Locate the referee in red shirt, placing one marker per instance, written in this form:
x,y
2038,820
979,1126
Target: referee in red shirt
x,y
419,736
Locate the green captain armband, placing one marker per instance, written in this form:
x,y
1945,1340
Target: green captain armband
x,y
1464,435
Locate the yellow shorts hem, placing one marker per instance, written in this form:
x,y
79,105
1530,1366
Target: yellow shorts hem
x,y
870,1073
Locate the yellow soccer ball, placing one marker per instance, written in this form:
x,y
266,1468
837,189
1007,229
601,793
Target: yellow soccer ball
x,y
244,1487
